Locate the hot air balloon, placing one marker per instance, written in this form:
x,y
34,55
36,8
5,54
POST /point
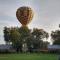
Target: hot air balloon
x,y
24,15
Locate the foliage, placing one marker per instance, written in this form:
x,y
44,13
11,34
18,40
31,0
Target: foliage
x,y
34,41
40,33
23,35
55,35
6,34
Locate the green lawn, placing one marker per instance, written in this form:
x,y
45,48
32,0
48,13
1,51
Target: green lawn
x,y
28,57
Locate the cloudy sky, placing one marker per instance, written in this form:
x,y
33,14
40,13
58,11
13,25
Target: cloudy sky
x,y
46,14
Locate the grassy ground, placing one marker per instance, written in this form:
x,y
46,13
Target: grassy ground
x,y
28,56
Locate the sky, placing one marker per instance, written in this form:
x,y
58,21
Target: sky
x,y
46,14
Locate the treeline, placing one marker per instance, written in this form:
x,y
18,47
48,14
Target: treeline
x,y
24,39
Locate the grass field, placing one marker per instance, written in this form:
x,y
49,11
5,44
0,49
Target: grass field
x,y
28,56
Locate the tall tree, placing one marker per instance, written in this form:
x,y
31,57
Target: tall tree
x,y
15,38
55,35
35,39
39,35
7,35
25,32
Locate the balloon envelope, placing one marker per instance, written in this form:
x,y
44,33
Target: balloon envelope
x,y
24,15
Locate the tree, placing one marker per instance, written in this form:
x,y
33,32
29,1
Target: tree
x,y
12,35
39,35
34,41
15,38
7,35
23,37
55,35
25,33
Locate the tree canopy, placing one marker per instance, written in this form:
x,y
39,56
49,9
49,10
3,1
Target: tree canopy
x,y
32,39
55,35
